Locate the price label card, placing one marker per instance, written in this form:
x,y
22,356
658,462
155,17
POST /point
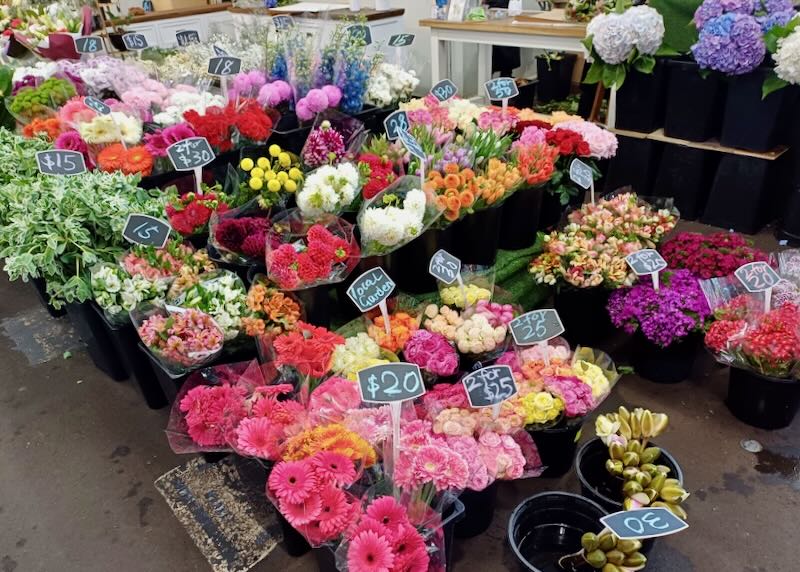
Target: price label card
x,y
390,383
146,230
644,523
283,22
401,40
134,41
581,173
501,88
757,276
370,289
190,153
219,51
360,32
536,326
89,45
395,123
411,144
224,65
444,90
96,105
646,261
489,386
444,266
186,37
60,162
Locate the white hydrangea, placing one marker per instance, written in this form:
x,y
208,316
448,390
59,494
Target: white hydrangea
x,y
328,189
391,226
787,58
389,84
613,37
648,26
41,69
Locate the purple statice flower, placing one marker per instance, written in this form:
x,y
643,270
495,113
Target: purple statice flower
x,y
711,9
732,44
664,316
453,153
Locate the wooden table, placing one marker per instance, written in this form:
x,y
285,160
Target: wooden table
x,y
521,31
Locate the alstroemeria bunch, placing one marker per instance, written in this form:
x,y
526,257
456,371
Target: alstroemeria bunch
x,y
117,292
710,256
624,215
154,263
269,311
220,294
189,213
180,340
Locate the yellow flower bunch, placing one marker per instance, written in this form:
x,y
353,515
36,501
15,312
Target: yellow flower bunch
x,y
278,172
593,376
334,438
452,295
541,407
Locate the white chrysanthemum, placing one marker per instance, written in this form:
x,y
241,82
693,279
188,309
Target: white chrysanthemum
x,y
415,202
613,37
391,225
787,58
130,128
648,27
328,189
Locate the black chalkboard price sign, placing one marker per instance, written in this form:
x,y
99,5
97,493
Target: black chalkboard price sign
x,y
134,41
360,32
390,383
370,289
395,123
444,90
536,327
146,230
187,37
644,523
283,22
401,40
191,153
411,143
219,51
489,386
501,88
96,105
646,261
224,65
60,162
89,45
757,276
444,266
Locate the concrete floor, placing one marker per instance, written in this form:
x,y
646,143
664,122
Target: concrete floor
x,y
79,454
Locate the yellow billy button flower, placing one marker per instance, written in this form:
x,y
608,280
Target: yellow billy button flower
x,y
290,186
274,150
274,185
295,174
283,177
256,184
263,163
269,175
284,159
257,172
246,164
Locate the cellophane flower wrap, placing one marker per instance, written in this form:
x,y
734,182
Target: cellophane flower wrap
x,y
396,216
329,189
117,292
359,351
433,353
664,316
220,294
269,311
710,256
189,213
178,264
309,252
240,235
478,281
334,137
181,340
590,250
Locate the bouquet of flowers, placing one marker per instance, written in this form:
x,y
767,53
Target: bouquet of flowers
x,y
117,293
710,256
189,213
220,294
333,138
664,316
396,216
402,324
269,311
176,259
478,287
358,352
432,352
455,190
273,178
309,253
307,349
390,84
328,190
240,235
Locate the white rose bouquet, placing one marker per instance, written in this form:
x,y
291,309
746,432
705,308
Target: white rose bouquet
x,y
328,190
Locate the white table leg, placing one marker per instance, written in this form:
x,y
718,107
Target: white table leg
x,y
484,65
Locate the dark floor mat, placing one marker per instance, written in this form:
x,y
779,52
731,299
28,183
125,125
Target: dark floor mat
x,y
224,509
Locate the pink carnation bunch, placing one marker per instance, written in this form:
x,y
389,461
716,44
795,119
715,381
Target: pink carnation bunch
x,y
309,494
332,399
432,352
470,451
212,413
186,339
502,455
576,395
373,424
385,540
317,101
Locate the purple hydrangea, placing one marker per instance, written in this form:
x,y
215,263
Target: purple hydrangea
x,y
732,44
773,19
773,6
711,9
665,315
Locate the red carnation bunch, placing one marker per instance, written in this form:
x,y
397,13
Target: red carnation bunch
x,y
381,174
189,213
251,121
244,235
568,142
710,256
215,125
292,266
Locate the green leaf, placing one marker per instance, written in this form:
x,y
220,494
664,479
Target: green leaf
x,y
619,76
679,29
645,64
772,83
595,72
667,51
587,43
609,75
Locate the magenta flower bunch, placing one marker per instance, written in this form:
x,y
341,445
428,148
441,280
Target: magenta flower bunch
x,y
431,352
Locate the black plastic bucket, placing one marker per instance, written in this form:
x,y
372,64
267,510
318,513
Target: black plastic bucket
x,y
326,559
751,122
640,101
92,333
550,211
294,542
520,221
451,517
40,286
584,315
694,103
762,401
557,446
289,134
476,236
554,77
547,526
603,487
478,511
671,364
409,264
686,174
316,303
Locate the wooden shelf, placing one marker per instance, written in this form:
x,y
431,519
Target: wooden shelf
x,y
167,14
338,14
512,26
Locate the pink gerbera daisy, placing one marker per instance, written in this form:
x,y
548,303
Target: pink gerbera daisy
x,y
415,561
369,552
369,523
406,540
301,513
292,481
263,407
334,514
313,533
388,512
333,468
258,437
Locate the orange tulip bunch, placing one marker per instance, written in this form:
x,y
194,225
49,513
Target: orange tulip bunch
x,y
455,189
537,162
500,177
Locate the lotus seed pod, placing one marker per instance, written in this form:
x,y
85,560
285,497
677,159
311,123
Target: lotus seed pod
x,y
658,482
629,545
624,413
673,494
635,559
636,446
590,542
647,424
660,423
630,488
616,450
610,568
672,483
615,557
614,467
630,459
596,558
650,455
607,542
624,429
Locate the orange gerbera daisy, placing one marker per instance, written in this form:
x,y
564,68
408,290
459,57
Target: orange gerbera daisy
x,y
137,160
111,158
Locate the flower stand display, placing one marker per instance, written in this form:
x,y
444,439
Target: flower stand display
x,y
686,175
640,101
762,401
635,164
694,103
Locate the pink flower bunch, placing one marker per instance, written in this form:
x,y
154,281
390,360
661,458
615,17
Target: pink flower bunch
x,y
470,451
272,420
317,101
710,256
71,141
373,424
310,495
157,142
502,455
274,93
332,399
324,146
602,143
496,314
427,459
432,352
212,413
385,540
496,120
187,338
74,112
432,115
531,136
142,99
576,395
247,84
325,255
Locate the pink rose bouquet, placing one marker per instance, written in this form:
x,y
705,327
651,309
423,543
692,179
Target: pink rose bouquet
x,y
431,352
